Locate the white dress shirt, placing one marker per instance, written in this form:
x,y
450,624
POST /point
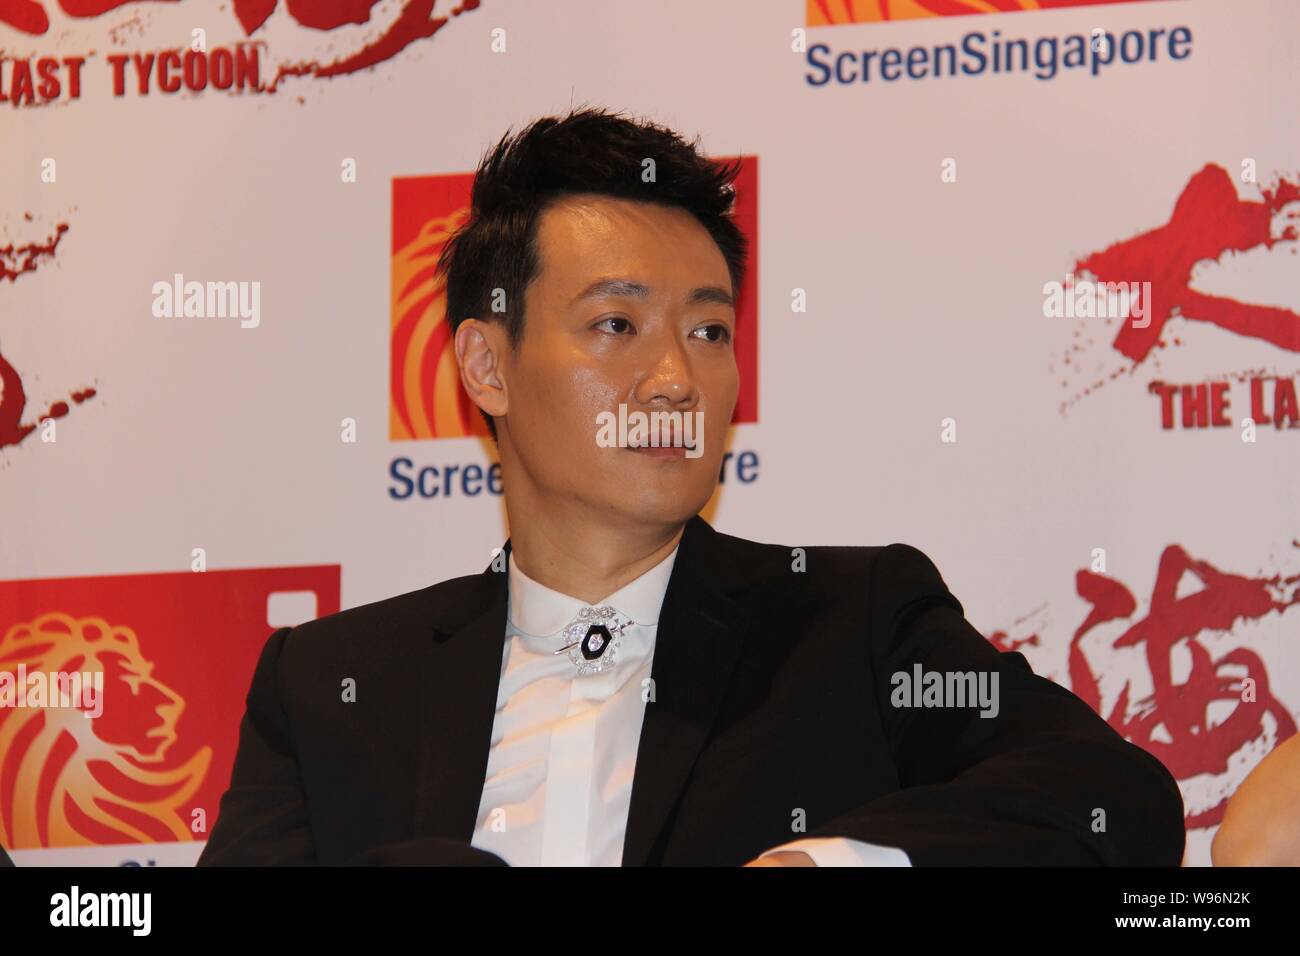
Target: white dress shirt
x,y
564,746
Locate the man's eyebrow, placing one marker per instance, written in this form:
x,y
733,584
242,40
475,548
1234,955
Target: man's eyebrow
x,y
626,288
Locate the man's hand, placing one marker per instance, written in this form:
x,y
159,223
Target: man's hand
x,y
784,858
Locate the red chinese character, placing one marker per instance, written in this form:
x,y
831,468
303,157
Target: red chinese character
x,y
317,14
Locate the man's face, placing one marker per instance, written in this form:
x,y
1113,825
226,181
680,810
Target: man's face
x,y
665,346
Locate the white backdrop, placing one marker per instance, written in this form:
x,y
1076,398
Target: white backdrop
x,y
924,303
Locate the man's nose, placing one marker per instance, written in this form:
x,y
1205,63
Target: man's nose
x,y
670,377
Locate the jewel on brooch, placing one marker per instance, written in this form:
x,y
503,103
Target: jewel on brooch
x,y
594,643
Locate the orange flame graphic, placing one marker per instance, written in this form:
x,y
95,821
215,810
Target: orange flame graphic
x,y
427,400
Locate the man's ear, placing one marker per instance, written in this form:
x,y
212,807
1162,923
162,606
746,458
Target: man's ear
x,y
479,349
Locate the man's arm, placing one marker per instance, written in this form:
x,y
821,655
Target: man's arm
x,y
1044,782
263,817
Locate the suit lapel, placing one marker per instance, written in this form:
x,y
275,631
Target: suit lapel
x,y
457,709
696,647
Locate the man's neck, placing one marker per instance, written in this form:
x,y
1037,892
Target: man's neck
x,y
588,561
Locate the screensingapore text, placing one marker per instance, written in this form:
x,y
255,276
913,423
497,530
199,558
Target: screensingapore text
x,y
981,54
471,479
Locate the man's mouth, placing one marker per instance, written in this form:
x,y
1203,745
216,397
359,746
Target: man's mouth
x,y
666,440
669,445
659,451
675,438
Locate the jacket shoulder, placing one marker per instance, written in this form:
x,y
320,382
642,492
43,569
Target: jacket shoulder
x,y
891,566
389,625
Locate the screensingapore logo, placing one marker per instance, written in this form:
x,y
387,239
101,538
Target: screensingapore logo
x,y
53,728
1089,51
138,755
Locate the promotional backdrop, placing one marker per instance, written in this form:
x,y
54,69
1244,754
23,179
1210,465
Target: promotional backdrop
x,y
1023,294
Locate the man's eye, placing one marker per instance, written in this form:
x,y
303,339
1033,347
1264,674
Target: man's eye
x,y
616,318
723,333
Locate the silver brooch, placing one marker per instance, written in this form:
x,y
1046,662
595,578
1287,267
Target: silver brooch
x,y
592,639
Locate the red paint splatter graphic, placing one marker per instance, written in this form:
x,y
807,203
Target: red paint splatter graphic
x,y
28,16
1172,722
415,22
1004,642
1208,221
16,260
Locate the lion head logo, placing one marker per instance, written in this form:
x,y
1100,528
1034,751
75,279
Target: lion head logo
x,y
70,779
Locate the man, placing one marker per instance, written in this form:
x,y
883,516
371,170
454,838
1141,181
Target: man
x,y
623,684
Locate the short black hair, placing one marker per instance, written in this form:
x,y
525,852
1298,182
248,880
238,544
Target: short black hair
x,y
589,150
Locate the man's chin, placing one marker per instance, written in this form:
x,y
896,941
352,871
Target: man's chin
x,y
647,506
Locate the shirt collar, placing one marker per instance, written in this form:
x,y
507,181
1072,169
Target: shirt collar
x,y
539,611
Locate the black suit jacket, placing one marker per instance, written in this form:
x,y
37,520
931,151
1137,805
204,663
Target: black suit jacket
x,y
772,703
